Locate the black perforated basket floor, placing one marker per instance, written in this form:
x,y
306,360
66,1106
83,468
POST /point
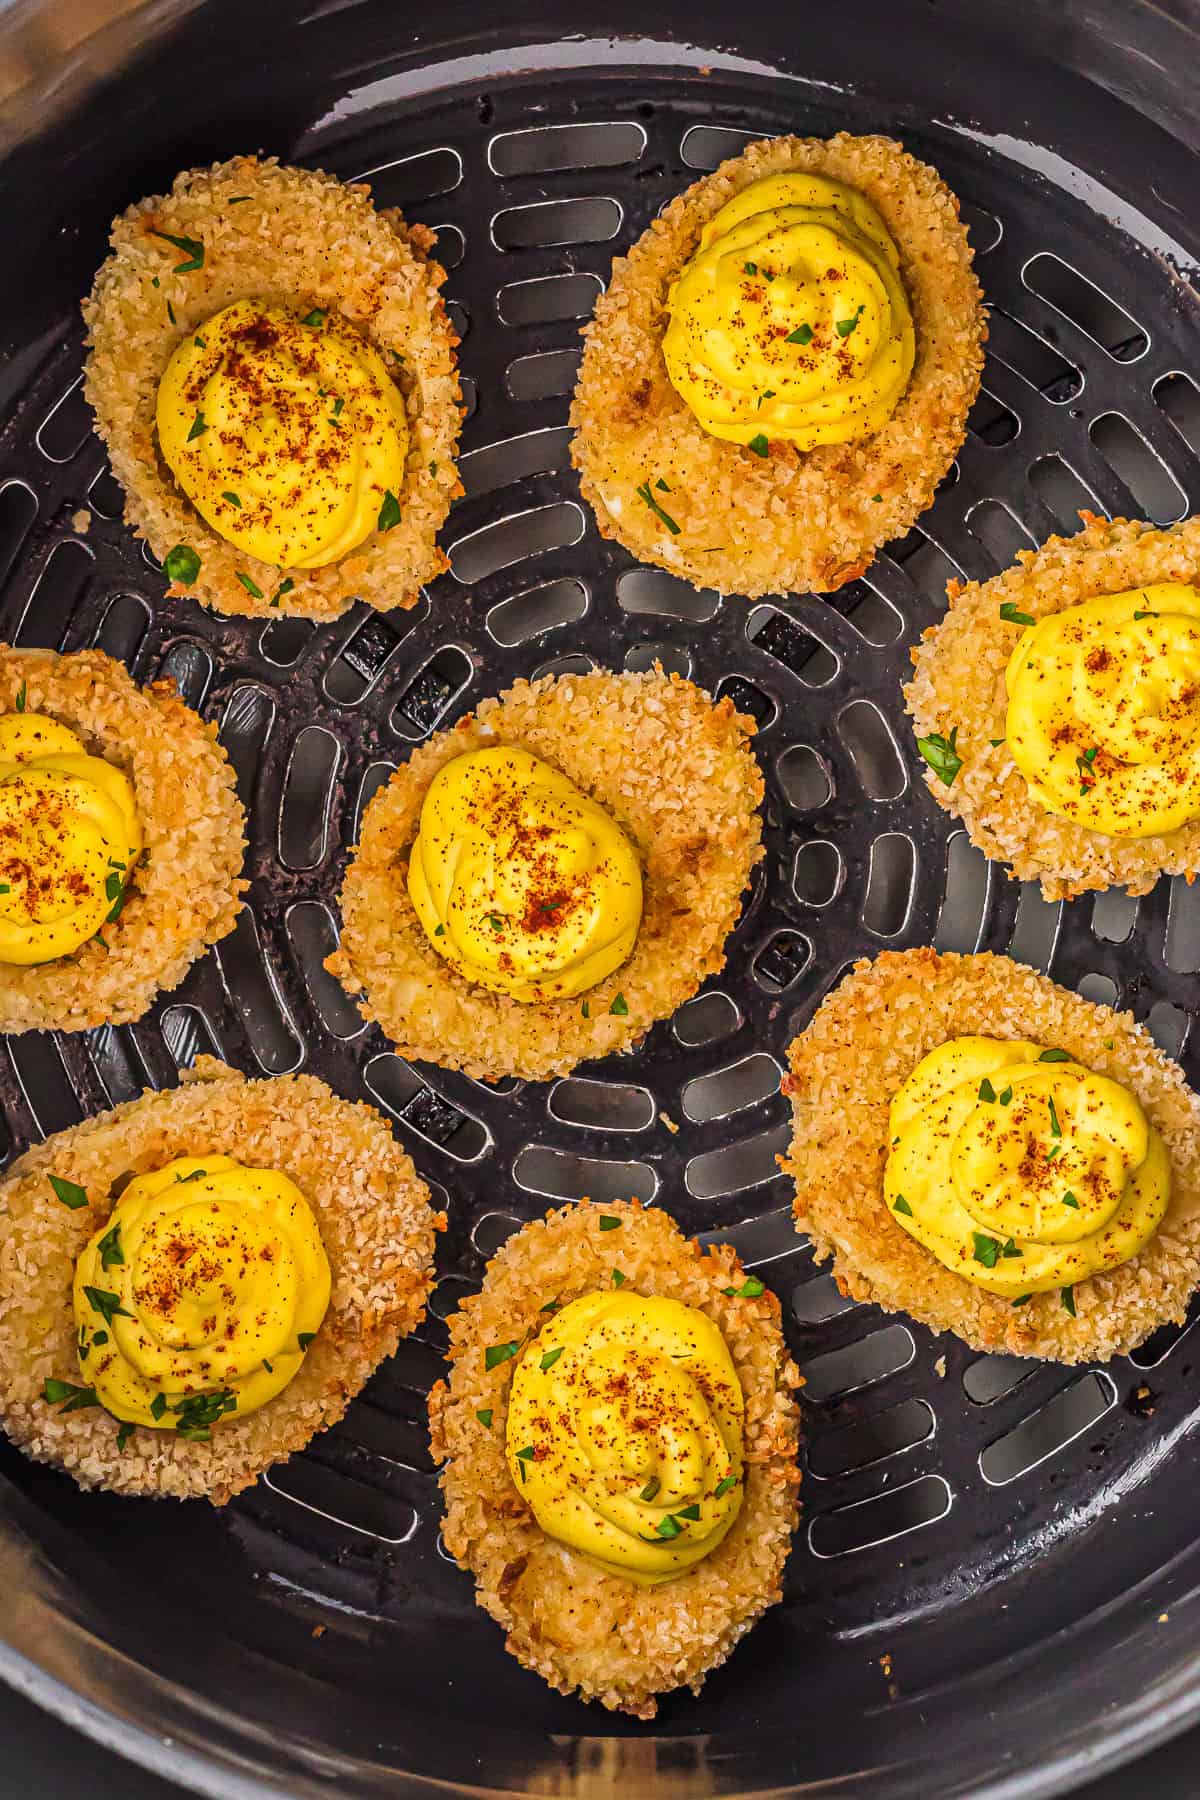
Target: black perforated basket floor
x,y
992,1586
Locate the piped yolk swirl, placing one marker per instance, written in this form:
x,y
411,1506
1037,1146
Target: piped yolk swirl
x,y
624,1433
791,321
1104,711
287,434
1020,1169
197,1299
519,880
69,837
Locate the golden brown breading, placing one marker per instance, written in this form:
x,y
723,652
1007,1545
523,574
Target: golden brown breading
x,y
574,1624
959,683
298,238
866,1039
794,520
673,768
375,1222
185,892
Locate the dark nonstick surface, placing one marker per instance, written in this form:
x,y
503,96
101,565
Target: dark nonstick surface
x,y
993,1583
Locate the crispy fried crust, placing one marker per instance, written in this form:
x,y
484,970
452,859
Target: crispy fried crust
x,y
376,1225
959,683
185,892
575,1625
866,1039
298,238
794,520
674,769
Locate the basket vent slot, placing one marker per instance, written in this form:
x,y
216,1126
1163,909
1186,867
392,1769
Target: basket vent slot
x,y
1086,305
963,915
736,1167
818,872
547,223
707,1019
858,1365
53,603
663,596
871,1440
511,540
601,1105
548,149
514,459
1158,494
563,1175
881,1519
1062,492
548,298
543,374
729,1090
313,936
537,610
1076,1410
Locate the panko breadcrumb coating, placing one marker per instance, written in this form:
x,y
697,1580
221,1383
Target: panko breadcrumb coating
x,y
865,1041
677,773
576,1625
297,238
959,684
185,891
375,1222
794,520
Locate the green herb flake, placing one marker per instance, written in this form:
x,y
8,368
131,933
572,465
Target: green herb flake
x,y
550,1306
669,1527
495,921
900,1205
232,498
608,1222
5,888
239,199
124,1434
528,1454
723,1486
662,486
67,1395
995,742
495,1354
689,1512
750,1289
192,249
107,1305
200,343
644,493
389,512
198,427
269,1367
110,1249
987,1091
1145,615
941,753
759,444
1055,1127
69,1192
315,318
112,886
803,334
484,1415
22,696
1053,1151
618,1280
584,1010
551,1357
1006,1097
876,499
100,1339
987,1249
1055,1056
1022,1299
305,1338
182,565
158,1406
620,1006
251,586
1012,616
844,327
171,313
650,1490
1068,1300
1010,1249
1070,1200
439,931
749,268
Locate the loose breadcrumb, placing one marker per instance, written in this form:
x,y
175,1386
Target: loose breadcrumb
x,y
298,238
959,684
185,892
794,520
866,1039
673,768
375,1222
574,1624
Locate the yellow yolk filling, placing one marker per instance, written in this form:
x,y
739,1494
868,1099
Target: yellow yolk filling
x,y
520,881
289,437
1021,1170
791,320
198,1297
1104,711
69,837
624,1434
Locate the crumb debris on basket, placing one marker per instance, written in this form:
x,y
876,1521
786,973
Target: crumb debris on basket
x,y
669,1122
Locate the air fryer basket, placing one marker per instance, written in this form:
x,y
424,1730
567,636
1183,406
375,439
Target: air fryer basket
x,y
994,1589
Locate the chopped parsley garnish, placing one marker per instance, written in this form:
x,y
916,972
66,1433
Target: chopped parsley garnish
x,y
171,313
584,1010
759,445
389,512
803,334
198,1413
239,199
67,1395
192,248
315,318
100,1339
987,1249
749,268
995,742
110,1248
232,498
439,931
285,587
69,1192
723,1486
305,1338
182,565
338,404
158,1406
196,1175
651,1488
484,1415
550,1306
527,1454
1053,1151
1055,1127
107,1305
767,394
112,886
643,493
551,1357
495,1354
22,696
269,1367
900,1205
1145,615
1022,1299
941,753
251,586
1070,1200
1006,1097
124,1434
618,1280
1068,1300
5,888
495,921
876,499
661,485
608,1222
689,1512
201,343
750,1289
1010,1249
1055,1056
620,1005
987,1091
668,1527
198,427
845,326
1011,616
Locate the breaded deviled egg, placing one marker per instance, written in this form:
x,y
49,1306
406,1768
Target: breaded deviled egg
x,y
620,1441
121,841
200,1280
541,883
780,372
1058,708
272,371
997,1157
